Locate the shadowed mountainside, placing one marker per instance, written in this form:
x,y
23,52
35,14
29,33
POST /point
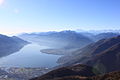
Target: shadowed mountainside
x,y
108,60
78,72
9,45
88,53
108,76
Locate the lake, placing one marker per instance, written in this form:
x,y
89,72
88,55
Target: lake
x,y
30,56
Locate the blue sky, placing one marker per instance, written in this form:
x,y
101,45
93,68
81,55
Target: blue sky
x,y
18,16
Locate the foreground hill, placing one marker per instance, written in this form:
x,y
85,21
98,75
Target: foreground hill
x,y
78,72
108,76
10,45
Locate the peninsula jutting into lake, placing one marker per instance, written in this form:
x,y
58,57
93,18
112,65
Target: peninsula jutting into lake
x,y
59,40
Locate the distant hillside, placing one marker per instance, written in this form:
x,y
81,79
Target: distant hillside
x,y
10,45
66,39
105,35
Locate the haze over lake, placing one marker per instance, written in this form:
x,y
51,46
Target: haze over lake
x,y
29,56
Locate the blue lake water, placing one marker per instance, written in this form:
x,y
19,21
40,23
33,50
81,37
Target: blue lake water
x,y
29,56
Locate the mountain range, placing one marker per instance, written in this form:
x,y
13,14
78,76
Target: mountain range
x,y
65,39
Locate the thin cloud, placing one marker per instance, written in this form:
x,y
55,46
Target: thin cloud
x,y
2,2
16,11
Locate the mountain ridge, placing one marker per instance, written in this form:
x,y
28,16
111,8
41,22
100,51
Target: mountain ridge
x,y
9,45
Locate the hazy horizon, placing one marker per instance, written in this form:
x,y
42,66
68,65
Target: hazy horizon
x,y
77,30
19,16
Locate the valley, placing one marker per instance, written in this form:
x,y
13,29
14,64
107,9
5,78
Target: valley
x,y
59,39
40,57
